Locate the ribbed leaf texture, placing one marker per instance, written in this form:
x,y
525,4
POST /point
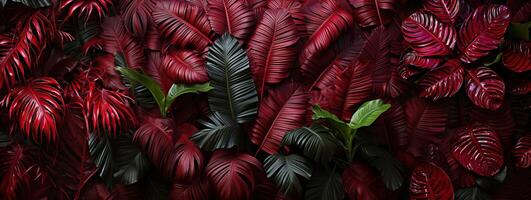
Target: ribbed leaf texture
x,y
484,87
478,148
281,111
155,138
482,31
522,152
441,82
430,182
183,24
362,182
118,41
37,109
411,58
137,15
87,8
373,12
196,190
232,174
517,56
427,35
445,10
186,67
425,120
272,49
231,16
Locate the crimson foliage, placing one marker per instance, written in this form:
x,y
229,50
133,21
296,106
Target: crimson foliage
x,y
265,99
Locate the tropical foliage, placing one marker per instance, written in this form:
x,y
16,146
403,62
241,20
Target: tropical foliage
x,y
265,99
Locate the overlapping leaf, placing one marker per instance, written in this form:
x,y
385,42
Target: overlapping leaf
x,y
87,8
315,142
188,160
361,182
184,67
137,16
231,16
442,82
478,148
484,87
287,171
118,40
517,56
445,10
411,58
370,13
155,138
482,31
325,184
522,152
427,35
430,182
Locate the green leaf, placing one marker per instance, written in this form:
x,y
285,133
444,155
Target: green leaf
x,y
496,60
316,142
5,140
286,171
83,31
368,113
32,3
392,170
177,90
220,132
143,96
234,91
100,149
491,183
139,78
325,185
130,161
520,30
321,114
473,193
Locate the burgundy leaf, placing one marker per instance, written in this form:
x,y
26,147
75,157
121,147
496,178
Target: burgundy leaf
x,y
485,88
188,160
282,110
232,175
373,12
522,87
362,182
441,82
36,109
109,112
411,58
155,138
478,148
502,121
117,40
103,69
294,7
232,16
377,52
351,88
325,21
272,49
482,31
522,152
137,16
427,35
445,10
407,71
430,182
425,121
523,14
19,55
517,56
86,8
196,190
182,24
15,161
184,67
258,7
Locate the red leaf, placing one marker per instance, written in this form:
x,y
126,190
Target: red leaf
x,y
522,152
117,40
15,161
427,36
425,121
411,58
232,174
185,67
36,109
103,68
441,82
361,182
430,182
86,8
182,24
517,56
523,14
445,10
377,52
485,88
232,16
325,22
294,7
17,57
196,190
281,111
478,149
272,49
188,160
373,12
109,112
351,87
407,71
482,31
155,138
521,87
501,121
137,16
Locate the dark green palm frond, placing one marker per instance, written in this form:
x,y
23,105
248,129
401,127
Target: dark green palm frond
x,y
316,142
286,171
221,131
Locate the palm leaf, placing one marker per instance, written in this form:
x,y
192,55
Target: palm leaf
x,y
100,148
316,142
392,170
325,184
220,131
231,16
131,163
287,171
234,92
31,3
